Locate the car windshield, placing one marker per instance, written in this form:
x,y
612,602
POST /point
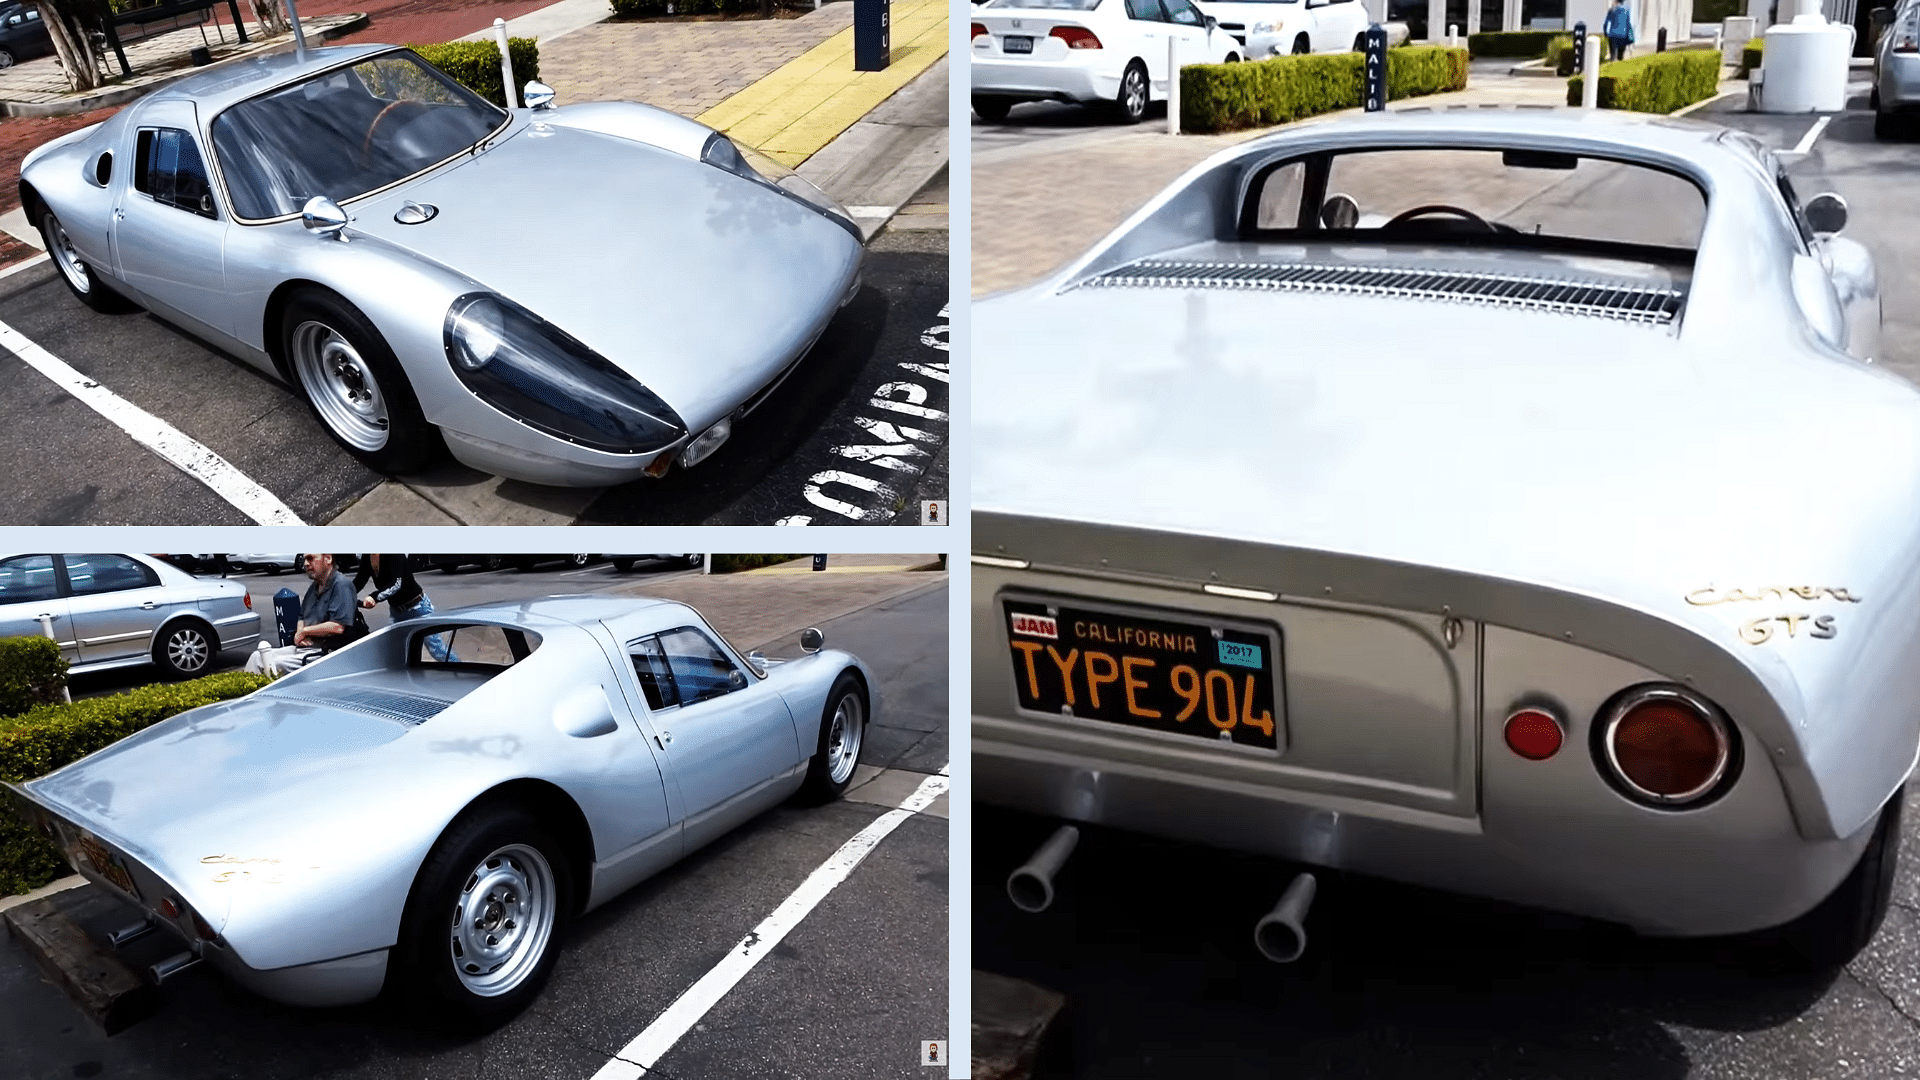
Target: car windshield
x,y
345,132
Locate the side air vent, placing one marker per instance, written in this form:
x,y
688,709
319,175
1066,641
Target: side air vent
x,y
406,708
1633,302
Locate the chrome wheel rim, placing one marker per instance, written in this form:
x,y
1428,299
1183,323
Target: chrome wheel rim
x,y
1136,92
6,59
187,650
502,920
69,260
843,738
341,386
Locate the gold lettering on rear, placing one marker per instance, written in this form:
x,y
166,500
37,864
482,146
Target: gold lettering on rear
x,y
1131,684
1029,649
1065,664
1095,678
1710,595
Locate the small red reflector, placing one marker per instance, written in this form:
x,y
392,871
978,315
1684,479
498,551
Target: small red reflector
x,y
1534,734
248,597
979,30
170,909
1076,37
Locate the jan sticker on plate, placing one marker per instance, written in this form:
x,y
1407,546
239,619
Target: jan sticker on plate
x,y
1035,626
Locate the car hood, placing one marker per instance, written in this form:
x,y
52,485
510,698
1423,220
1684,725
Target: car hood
x,y
694,280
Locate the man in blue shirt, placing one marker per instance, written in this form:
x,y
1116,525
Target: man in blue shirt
x,y
1618,28
326,621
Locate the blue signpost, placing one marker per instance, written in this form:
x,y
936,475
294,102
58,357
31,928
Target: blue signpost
x,y
1376,86
1579,46
286,614
872,34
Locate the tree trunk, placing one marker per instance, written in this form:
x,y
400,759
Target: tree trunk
x,y
70,43
268,14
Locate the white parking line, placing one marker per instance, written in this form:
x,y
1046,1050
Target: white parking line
x,y
638,1057
1813,133
184,453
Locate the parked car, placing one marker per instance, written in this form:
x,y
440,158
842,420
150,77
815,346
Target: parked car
x,y
528,562
264,564
196,564
1895,97
609,338
1087,51
1478,577
309,839
112,611
1290,27
449,564
22,35
624,563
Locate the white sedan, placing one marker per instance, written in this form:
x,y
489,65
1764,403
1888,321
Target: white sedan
x,y
1290,27
1087,51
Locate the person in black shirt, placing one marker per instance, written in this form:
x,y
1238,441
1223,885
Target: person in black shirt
x,y
393,582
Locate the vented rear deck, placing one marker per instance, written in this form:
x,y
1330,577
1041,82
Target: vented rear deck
x,y
1618,300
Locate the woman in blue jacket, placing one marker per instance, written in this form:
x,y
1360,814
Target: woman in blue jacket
x,y
1618,28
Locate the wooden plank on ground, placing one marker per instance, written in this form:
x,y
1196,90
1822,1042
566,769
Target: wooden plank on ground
x,y
1009,1017
99,985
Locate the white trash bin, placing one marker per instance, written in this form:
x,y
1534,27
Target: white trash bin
x,y
1806,64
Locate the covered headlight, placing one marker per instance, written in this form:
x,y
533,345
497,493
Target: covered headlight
x,y
536,373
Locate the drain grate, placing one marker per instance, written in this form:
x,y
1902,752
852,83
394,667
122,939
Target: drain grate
x,y
1620,300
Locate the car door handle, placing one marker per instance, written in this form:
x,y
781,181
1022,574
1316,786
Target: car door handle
x,y
665,739
119,214
45,615
148,606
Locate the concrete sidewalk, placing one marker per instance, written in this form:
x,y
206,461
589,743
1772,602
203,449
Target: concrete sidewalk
x,y
1052,199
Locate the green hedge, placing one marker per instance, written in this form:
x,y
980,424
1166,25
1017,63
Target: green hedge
x,y
1750,55
51,736
637,9
476,64
1656,82
1227,97
32,671
1560,54
1513,44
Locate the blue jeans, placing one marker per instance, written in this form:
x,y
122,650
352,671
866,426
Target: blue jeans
x,y
423,606
1619,47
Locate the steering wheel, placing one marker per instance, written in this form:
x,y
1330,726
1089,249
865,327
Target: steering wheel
x,y
1432,209
366,146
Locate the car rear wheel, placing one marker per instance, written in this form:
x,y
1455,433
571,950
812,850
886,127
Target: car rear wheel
x,y
843,730
80,278
6,59
481,928
1301,46
579,561
992,109
1845,922
185,650
1131,102
355,384
623,565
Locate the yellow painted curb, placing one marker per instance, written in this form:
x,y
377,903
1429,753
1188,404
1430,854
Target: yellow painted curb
x,y
807,102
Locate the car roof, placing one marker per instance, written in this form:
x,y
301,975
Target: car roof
x,y
217,88
534,612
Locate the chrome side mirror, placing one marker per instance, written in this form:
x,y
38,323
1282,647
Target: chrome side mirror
x,y
1339,212
811,640
1826,213
537,95
323,215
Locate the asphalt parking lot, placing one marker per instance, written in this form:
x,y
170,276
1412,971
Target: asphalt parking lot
x,y
885,350
1151,943
850,992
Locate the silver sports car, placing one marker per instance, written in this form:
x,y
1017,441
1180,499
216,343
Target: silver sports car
x,y
1502,502
578,295
380,814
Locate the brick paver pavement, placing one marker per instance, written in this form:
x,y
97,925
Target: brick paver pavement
x,y
762,610
686,67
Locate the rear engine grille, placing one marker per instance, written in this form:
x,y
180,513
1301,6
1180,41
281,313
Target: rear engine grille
x,y
1619,300
406,708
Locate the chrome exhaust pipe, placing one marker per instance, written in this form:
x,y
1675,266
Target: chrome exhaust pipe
x,y
132,932
1031,887
1281,935
171,966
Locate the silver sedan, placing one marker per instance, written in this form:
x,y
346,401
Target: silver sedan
x,y
110,611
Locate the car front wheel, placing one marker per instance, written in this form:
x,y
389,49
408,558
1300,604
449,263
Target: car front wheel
x,y
843,729
1834,932
185,650
481,928
1132,98
355,384
80,277
6,58
993,110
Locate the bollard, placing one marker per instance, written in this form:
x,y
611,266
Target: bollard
x,y
872,34
1590,85
1453,36
299,36
1173,84
1660,41
819,562
286,615
1579,49
1376,69
506,65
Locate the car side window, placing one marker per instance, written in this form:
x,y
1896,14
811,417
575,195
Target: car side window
x,y
1277,198
167,165
700,668
27,578
1144,10
1793,208
1181,12
650,668
91,574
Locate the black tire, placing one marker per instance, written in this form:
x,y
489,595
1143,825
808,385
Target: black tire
x,y
185,649
1845,922
1360,42
355,385
828,773
579,561
7,59
993,110
694,562
81,280
1135,93
493,562
622,565
1302,46
1232,58
429,957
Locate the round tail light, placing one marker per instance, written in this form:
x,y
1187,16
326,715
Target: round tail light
x,y
1665,745
1534,734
